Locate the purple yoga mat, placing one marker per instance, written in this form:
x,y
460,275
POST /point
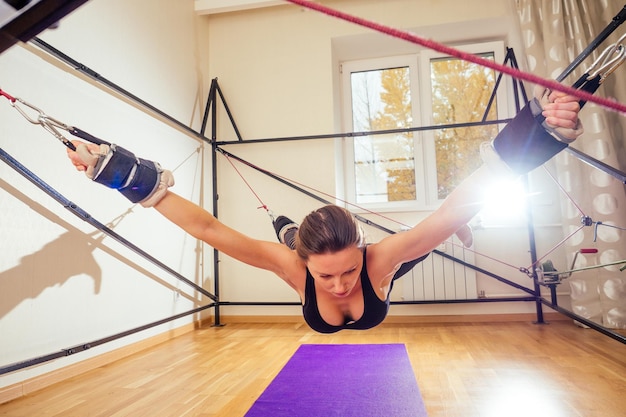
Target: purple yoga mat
x,y
343,381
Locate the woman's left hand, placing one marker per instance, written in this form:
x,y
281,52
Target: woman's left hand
x,y
561,113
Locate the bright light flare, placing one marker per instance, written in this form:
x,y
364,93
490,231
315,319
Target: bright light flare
x,y
505,203
522,396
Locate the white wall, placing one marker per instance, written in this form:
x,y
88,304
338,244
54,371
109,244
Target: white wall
x,y
62,282
278,70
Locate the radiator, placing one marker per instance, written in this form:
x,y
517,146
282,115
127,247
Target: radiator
x,y
439,278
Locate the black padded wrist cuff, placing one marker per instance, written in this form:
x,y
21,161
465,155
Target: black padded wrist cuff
x,y
137,179
524,144
144,182
115,168
286,231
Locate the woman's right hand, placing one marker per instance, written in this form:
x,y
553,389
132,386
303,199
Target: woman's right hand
x,y
86,155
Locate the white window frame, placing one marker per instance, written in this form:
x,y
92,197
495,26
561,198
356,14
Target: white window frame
x,y
424,148
411,62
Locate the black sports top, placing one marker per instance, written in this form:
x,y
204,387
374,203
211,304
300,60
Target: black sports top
x,y
374,309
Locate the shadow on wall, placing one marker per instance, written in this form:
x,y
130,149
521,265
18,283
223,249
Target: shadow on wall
x,y
69,255
73,256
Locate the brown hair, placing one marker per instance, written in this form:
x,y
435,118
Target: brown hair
x,y
328,229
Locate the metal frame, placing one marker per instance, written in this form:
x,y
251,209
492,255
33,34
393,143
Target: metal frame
x,y
534,294
83,215
27,22
33,18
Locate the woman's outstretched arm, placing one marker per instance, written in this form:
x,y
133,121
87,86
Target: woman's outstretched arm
x,y
204,226
148,184
466,200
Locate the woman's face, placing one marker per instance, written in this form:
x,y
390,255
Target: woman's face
x,y
338,272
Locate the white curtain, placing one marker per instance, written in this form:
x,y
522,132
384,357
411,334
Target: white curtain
x,y
555,32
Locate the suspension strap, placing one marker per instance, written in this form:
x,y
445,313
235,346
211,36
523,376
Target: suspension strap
x,y
609,60
53,126
263,205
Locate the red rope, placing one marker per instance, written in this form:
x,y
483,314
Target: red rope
x,y
555,247
569,197
347,203
513,72
263,206
7,95
299,184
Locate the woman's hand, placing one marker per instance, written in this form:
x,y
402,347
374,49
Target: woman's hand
x,y
561,113
85,156
561,110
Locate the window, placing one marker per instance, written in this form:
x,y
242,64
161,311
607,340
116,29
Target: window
x,y
384,165
399,169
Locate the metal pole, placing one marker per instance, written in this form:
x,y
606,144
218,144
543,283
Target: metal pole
x,y
35,18
617,20
13,163
83,69
583,320
212,105
533,257
368,133
85,346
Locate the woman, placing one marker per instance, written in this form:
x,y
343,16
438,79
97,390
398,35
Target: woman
x,y
342,282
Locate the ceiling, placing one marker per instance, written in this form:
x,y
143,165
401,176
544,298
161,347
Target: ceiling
x,y
223,6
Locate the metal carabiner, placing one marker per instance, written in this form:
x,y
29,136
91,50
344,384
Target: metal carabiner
x,y
606,63
614,63
268,211
33,120
50,124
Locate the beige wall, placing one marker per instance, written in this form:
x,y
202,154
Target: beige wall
x,y
270,61
63,283
278,69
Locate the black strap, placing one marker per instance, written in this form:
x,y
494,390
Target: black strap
x,y
588,85
84,135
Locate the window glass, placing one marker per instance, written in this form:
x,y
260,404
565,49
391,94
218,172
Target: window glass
x,y
384,164
460,93
416,169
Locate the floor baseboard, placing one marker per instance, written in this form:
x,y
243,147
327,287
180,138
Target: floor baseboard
x,y
37,383
29,386
397,319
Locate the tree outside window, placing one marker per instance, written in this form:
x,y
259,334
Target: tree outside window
x,y
418,167
384,164
460,94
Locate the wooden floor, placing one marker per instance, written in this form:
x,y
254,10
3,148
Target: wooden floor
x,y
465,370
